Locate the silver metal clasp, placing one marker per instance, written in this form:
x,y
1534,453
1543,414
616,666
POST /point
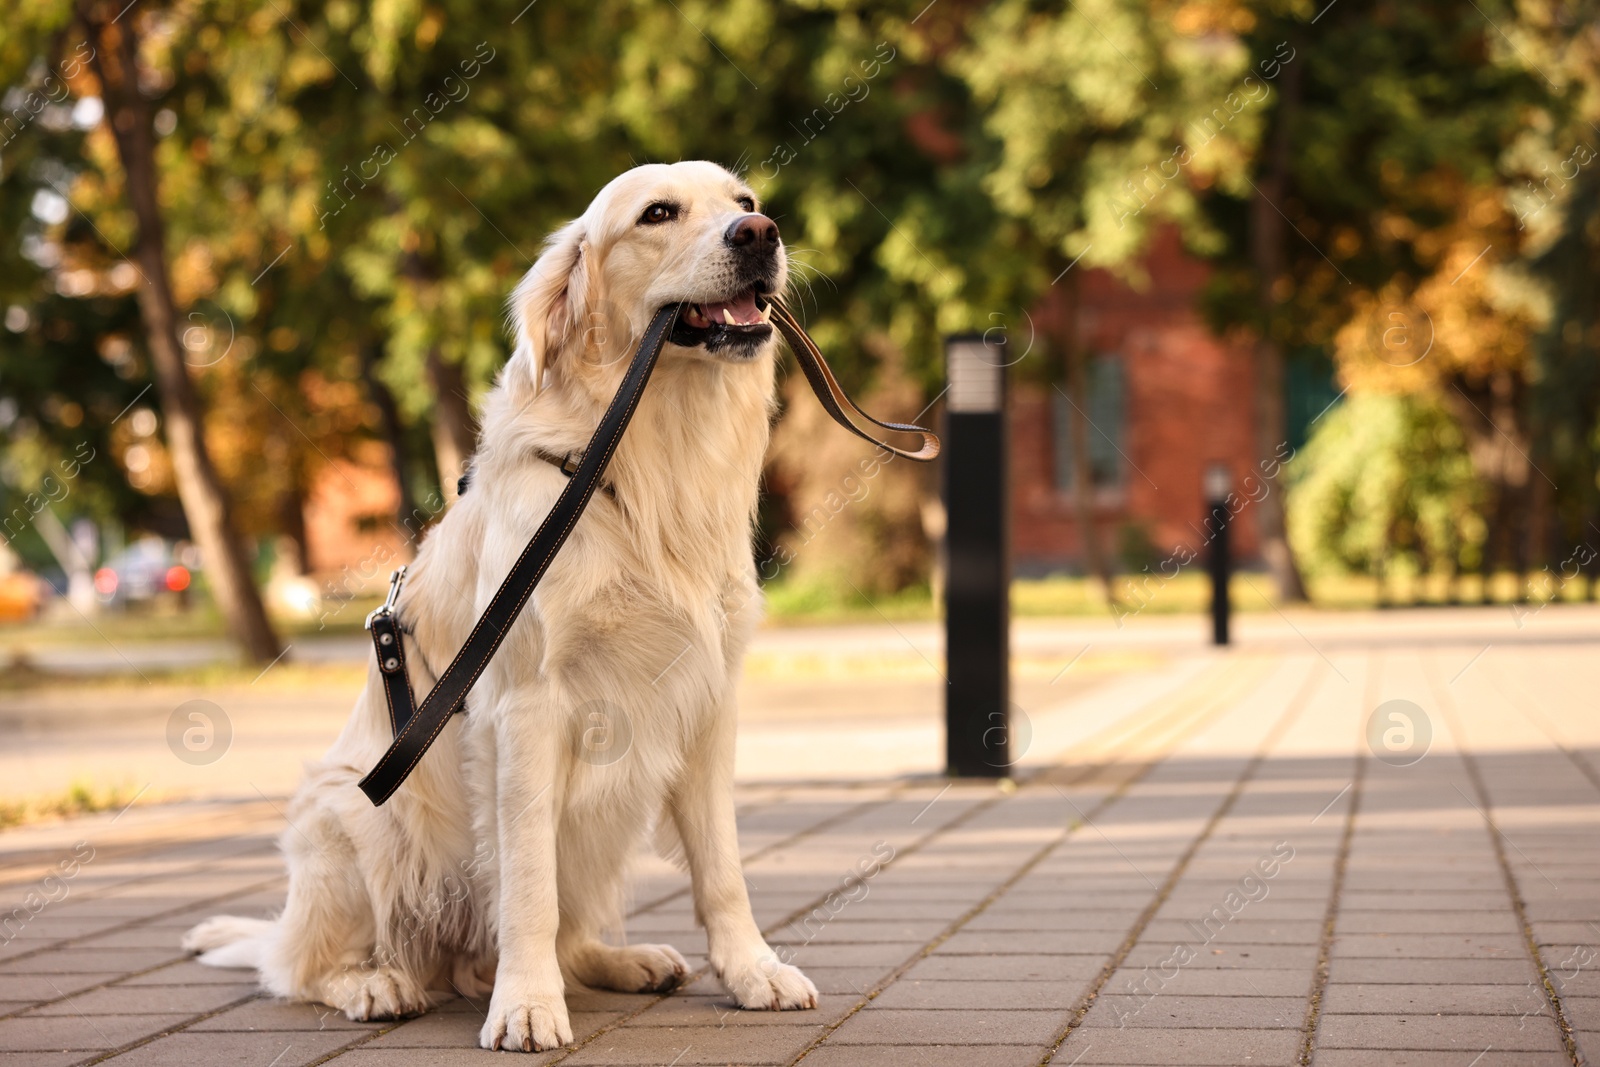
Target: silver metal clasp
x,y
396,580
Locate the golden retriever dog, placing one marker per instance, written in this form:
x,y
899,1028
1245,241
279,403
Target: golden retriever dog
x,y
610,708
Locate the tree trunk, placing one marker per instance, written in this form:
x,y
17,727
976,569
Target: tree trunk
x,y
1267,256
410,522
293,544
455,437
205,502
1076,360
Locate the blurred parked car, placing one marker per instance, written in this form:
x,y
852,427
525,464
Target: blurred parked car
x,y
21,594
143,572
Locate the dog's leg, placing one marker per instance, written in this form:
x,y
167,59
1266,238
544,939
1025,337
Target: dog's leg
x,y
332,943
528,1011
702,808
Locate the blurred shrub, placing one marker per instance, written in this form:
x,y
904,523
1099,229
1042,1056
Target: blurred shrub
x,y
1386,481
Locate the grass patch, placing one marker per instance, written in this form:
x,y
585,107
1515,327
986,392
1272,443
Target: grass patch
x,y
1069,596
21,673
819,602
167,624
80,798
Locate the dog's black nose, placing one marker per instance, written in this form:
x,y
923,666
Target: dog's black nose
x,y
755,233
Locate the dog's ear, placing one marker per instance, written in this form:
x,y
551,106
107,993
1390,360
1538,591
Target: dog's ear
x,y
550,305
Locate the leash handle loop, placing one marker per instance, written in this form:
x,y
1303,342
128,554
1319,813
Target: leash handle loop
x,y
835,401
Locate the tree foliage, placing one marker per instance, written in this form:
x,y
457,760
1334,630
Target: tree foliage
x,y
350,190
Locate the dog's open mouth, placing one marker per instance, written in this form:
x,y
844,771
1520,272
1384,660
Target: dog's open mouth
x,y
741,323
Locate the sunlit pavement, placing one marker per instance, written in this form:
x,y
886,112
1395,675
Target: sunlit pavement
x,y
1337,843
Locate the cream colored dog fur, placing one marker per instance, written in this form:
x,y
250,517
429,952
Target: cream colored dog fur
x,y
500,862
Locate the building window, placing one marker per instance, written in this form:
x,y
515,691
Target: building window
x,y
1107,411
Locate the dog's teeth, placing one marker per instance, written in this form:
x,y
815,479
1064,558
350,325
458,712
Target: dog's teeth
x,y
727,316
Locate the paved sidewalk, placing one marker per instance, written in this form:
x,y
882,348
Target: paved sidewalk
x,y
1218,863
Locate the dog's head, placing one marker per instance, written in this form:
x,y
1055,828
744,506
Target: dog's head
x,y
684,233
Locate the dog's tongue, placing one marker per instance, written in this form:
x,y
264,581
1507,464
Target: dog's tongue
x,y
742,309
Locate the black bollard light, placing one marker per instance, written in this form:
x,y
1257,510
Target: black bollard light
x,y
977,616
1218,483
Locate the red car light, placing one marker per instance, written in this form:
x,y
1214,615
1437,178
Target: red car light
x,y
105,581
177,579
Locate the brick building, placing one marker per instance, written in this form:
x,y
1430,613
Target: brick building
x,y
1166,399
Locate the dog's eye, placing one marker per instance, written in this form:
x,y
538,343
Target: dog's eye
x,y
658,213
747,202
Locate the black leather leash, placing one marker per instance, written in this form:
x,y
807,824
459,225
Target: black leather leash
x,y
415,729
415,732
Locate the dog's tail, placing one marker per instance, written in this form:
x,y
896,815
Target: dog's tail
x,y
230,941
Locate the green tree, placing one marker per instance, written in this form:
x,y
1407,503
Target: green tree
x,y
1382,143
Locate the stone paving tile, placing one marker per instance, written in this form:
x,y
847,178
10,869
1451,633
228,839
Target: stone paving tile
x,y
843,979
77,960
1431,946
926,1056
1511,972
1335,1057
721,1010
1166,1009
986,968
54,926
882,954
36,987
984,995
185,971
995,943
275,1015
849,930
456,1029
1442,899
278,1050
1211,982
635,1044
1011,918
39,1059
1246,928
142,936
903,1026
1192,1048
148,1000
443,1057
1235,956
1471,1033
44,1033
1428,922
1418,999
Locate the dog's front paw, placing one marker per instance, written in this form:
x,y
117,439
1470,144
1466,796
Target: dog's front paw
x,y
769,985
525,1021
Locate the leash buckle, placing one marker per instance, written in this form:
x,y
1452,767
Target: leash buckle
x,y
386,609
